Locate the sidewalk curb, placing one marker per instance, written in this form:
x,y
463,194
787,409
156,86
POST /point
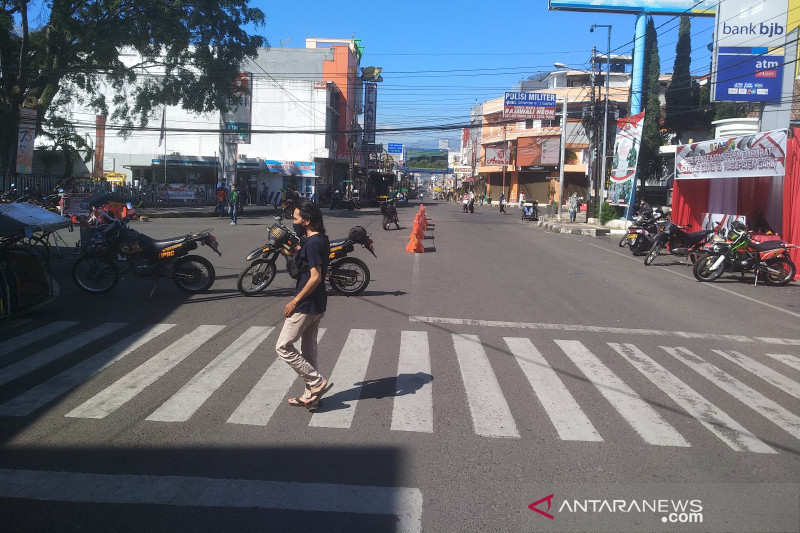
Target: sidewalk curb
x,y
588,230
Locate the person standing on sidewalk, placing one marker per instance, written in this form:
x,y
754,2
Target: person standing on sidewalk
x,y
222,198
234,204
572,204
502,203
305,311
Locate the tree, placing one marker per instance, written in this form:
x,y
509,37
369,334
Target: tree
x,y
649,160
176,53
681,96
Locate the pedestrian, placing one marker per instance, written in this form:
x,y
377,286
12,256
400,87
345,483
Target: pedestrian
x,y
572,204
465,201
222,197
305,311
471,201
502,203
521,199
234,209
483,198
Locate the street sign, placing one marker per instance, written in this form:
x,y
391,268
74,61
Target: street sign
x,y
395,148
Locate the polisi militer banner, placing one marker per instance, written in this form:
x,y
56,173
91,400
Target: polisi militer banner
x,y
748,156
626,157
529,106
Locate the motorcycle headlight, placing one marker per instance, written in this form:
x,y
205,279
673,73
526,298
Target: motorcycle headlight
x,y
277,235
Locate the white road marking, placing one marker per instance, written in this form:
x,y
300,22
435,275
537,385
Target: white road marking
x,y
413,405
753,399
263,400
491,416
37,397
645,420
786,359
127,387
789,386
56,351
350,371
570,421
709,415
21,341
404,503
576,327
709,285
778,340
185,403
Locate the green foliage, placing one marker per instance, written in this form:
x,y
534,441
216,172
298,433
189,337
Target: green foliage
x,y
607,212
649,160
681,96
184,53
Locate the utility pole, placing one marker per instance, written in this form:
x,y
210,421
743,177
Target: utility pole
x,y
563,153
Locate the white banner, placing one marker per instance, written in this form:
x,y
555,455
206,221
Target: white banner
x,y
496,156
748,156
626,157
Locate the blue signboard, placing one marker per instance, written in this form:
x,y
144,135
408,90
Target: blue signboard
x,y
395,148
748,75
529,105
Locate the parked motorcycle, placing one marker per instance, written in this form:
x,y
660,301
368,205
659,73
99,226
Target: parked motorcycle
x,y
347,275
389,212
769,260
116,245
344,203
642,232
678,242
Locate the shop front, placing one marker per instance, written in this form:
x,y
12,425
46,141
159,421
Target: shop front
x,y
749,178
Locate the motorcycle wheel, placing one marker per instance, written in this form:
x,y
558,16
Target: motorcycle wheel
x,y
331,206
385,224
624,242
351,206
349,276
640,246
779,272
396,222
653,254
701,269
256,277
95,274
193,273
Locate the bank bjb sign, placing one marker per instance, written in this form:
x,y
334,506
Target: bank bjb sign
x,y
749,54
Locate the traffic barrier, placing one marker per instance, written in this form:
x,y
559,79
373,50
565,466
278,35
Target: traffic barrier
x,y
414,244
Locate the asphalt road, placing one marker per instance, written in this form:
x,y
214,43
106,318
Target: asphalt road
x,y
470,381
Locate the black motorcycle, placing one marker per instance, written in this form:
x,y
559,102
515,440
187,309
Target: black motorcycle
x,y
642,232
347,275
389,212
115,246
339,202
679,243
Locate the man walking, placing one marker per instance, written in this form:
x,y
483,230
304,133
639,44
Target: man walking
x,y
234,204
305,311
502,204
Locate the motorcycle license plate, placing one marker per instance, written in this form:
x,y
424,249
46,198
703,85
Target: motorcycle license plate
x,y
632,236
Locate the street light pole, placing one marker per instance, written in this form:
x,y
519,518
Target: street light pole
x,y
605,114
563,153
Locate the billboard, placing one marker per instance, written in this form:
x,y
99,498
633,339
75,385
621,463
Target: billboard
x,y
497,156
529,106
662,7
370,111
539,151
422,160
748,51
747,156
27,134
237,117
626,157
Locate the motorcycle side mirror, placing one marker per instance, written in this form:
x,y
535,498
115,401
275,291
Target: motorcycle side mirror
x,y
129,205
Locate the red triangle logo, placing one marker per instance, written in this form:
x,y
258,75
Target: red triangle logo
x,y
548,499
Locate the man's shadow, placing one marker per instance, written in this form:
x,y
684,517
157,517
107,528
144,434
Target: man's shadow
x,y
376,389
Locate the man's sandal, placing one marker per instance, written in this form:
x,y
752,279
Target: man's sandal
x,y
299,402
319,390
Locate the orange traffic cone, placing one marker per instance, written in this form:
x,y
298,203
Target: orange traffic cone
x,y
423,222
414,244
428,221
418,226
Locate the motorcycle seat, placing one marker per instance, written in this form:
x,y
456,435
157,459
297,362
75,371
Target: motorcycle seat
x,y
160,244
338,242
698,236
767,246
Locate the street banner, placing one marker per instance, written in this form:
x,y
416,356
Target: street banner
x,y
538,151
529,106
426,160
238,117
496,156
749,51
626,157
292,168
746,156
27,135
99,146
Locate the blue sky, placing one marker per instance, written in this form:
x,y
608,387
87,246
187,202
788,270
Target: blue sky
x,y
440,58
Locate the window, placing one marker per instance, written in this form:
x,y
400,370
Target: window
x,y
555,123
529,124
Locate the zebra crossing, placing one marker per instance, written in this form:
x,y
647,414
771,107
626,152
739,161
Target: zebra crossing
x,y
606,367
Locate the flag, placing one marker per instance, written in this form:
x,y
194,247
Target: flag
x,y
163,126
